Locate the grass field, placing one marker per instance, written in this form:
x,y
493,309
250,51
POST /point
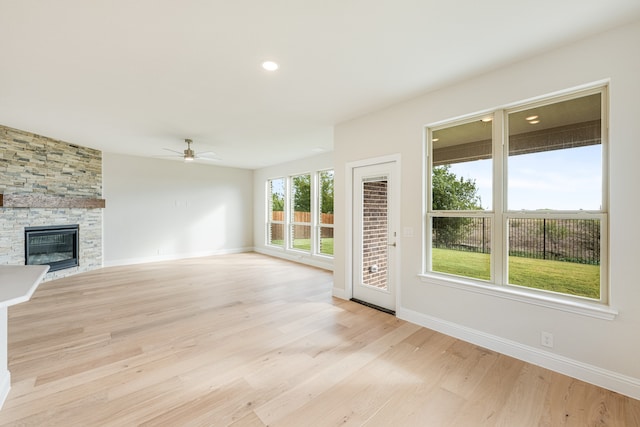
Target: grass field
x,y
557,276
326,245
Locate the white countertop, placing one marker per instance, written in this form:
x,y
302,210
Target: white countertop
x,y
19,282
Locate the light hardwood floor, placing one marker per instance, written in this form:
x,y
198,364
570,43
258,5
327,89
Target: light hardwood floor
x,y
248,340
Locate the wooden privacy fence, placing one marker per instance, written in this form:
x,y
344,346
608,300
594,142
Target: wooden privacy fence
x,y
301,231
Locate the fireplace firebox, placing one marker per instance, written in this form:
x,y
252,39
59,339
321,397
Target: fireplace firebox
x,y
55,246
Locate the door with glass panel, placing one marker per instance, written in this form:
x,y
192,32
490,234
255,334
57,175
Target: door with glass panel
x,y
374,235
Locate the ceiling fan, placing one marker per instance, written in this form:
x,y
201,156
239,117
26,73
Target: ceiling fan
x,y
189,155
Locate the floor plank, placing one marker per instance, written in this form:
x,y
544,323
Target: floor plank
x,y
249,340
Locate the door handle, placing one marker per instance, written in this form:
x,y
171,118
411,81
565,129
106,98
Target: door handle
x,y
392,244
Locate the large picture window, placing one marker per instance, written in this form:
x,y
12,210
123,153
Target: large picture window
x,y
518,197
300,213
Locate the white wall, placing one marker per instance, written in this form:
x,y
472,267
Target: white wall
x,y
604,352
161,209
283,170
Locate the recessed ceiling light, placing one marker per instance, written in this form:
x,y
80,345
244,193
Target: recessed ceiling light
x,y
487,119
534,122
435,139
270,65
531,118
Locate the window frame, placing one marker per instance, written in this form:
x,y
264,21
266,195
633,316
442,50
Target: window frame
x,y
499,285
318,225
288,223
290,215
269,213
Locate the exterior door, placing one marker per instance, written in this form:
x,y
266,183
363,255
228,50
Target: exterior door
x,y
374,235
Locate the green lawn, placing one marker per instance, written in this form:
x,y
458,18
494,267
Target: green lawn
x,y
557,276
326,245
469,264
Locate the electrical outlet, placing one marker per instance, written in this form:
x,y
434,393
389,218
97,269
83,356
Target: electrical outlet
x,y
546,339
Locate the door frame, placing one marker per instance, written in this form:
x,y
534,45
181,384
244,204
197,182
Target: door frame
x,y
395,189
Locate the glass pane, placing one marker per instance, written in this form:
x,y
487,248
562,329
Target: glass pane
x,y
276,234
555,156
462,166
326,240
559,255
375,226
276,199
326,197
301,198
462,246
301,237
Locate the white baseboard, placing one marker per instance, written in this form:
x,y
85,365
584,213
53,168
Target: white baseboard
x,y
623,384
339,293
173,257
5,386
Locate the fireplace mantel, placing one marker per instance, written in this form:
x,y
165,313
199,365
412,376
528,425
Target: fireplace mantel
x,y
35,200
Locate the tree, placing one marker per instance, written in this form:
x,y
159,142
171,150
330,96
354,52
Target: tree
x,y
326,192
277,194
302,193
450,192
453,193
301,189
277,202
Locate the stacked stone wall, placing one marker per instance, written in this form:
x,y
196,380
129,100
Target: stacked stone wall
x,y
31,163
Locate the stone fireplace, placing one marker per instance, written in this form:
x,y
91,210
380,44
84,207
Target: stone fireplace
x,y
46,183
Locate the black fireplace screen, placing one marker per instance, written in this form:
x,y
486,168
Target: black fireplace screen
x,y
55,246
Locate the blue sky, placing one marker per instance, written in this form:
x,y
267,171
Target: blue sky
x,y
568,179
561,179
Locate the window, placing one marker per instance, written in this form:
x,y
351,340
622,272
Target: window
x,y
300,220
300,213
275,218
462,158
518,197
325,215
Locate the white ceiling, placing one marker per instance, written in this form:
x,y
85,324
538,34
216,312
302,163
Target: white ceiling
x,y
137,76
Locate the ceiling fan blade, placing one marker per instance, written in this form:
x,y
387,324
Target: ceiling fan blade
x,y
208,159
174,151
206,152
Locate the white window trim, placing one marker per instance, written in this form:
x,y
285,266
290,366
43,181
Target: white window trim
x,y
288,223
497,286
532,296
318,226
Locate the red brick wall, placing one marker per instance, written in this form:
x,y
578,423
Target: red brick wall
x,y
374,235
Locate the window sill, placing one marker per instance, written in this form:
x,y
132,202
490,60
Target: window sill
x,y
316,260
585,308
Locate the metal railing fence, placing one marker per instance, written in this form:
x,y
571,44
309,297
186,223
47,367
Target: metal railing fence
x,y
571,240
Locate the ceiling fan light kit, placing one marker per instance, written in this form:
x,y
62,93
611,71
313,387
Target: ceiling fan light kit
x,y
189,155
